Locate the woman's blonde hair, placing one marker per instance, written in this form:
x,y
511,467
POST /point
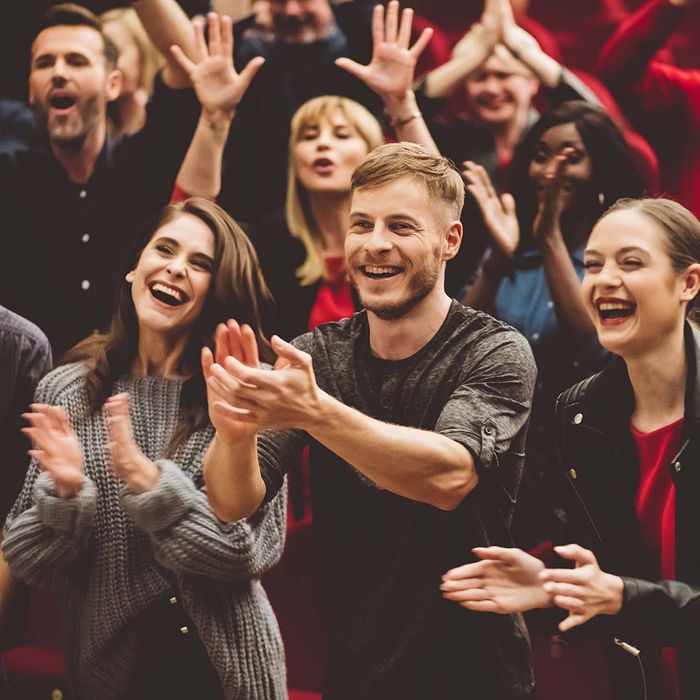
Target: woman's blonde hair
x,y
151,59
299,219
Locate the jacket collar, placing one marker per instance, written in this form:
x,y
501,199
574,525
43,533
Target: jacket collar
x,y
609,400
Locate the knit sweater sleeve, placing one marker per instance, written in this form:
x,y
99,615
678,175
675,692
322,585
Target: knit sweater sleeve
x,y
187,538
45,534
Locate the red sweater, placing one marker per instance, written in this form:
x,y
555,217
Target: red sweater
x,y
662,101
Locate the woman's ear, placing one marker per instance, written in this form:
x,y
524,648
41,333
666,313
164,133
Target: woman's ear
x,y
691,282
130,276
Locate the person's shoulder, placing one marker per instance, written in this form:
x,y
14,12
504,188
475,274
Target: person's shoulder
x,y
62,383
490,336
12,324
335,334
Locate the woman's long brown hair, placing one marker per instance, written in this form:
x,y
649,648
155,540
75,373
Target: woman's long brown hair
x,y
237,291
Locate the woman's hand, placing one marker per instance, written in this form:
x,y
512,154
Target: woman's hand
x,y
485,33
552,202
585,591
391,71
504,581
127,461
218,86
498,212
56,447
231,340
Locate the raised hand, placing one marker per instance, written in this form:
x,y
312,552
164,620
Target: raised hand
x,y
56,447
127,461
498,212
391,71
231,341
585,591
504,581
286,398
218,86
553,201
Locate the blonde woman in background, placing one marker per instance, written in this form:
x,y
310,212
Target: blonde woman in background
x,y
139,61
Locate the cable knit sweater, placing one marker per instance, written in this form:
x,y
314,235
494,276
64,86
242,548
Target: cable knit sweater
x,y
112,553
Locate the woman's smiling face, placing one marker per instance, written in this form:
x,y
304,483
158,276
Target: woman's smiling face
x,y
632,293
171,281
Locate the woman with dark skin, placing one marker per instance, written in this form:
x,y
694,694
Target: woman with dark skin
x,y
569,168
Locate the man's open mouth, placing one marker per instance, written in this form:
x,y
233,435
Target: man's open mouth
x,y
615,310
172,296
61,101
380,272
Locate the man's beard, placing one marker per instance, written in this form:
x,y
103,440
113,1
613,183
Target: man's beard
x,y
305,30
71,133
420,285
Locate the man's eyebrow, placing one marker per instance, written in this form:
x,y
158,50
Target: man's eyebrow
x,y
359,215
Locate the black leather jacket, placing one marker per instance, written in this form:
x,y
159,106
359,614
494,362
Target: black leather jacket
x,y
601,474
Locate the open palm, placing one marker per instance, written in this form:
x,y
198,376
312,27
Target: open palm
x,y
230,340
217,84
392,68
56,447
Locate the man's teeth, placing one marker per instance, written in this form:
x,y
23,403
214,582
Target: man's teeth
x,y
374,270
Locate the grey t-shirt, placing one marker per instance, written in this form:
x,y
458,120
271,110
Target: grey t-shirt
x,y
381,556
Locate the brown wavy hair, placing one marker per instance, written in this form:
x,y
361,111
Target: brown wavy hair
x,y
238,290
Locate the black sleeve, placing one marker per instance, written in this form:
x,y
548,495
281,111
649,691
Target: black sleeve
x,y
150,159
669,611
570,87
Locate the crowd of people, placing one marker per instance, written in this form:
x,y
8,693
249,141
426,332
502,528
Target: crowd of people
x,y
426,274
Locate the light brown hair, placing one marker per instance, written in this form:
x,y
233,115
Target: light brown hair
x,y
436,174
237,290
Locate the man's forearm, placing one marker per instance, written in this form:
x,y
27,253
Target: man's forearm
x,y
167,24
235,488
417,464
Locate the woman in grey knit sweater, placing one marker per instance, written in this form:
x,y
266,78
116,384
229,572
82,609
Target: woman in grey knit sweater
x,y
160,598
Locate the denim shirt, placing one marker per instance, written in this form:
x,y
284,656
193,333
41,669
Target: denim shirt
x,y
524,302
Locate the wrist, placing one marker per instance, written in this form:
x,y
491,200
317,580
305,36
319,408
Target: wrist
x,y
616,587
399,106
217,121
319,413
145,478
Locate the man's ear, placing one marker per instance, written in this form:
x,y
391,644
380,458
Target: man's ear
x,y
115,80
130,276
453,239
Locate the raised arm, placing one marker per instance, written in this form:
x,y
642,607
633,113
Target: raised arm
x,y
168,25
391,71
469,53
219,89
625,59
562,279
434,469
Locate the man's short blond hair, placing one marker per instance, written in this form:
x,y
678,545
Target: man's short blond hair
x,y
393,161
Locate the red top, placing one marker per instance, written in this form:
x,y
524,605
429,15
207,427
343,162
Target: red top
x,y
662,101
334,299
656,510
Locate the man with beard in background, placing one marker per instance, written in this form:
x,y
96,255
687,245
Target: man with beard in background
x,y
300,48
72,208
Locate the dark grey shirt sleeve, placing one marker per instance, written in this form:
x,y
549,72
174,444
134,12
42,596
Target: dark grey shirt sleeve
x,y
489,410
